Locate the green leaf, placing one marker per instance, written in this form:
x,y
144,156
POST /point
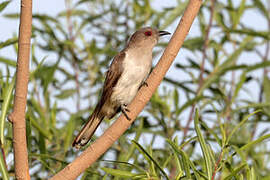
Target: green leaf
x,y
72,12
187,162
220,19
53,116
132,147
240,124
119,173
3,5
250,32
69,129
7,94
236,171
183,162
175,98
12,15
138,168
239,86
194,43
179,84
45,73
220,70
44,17
261,7
175,13
148,157
8,61
3,168
266,89
159,103
46,156
205,150
42,144
42,159
251,144
240,11
37,108
42,131
252,105
258,66
209,130
38,68
29,134
251,175
189,103
8,42
66,93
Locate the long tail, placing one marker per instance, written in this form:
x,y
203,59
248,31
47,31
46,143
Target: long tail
x,y
88,130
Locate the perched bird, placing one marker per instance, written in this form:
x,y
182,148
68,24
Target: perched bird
x,y
126,74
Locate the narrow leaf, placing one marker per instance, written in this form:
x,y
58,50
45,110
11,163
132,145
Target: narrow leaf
x,y
205,150
144,152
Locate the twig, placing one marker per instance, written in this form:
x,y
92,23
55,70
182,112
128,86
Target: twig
x,y
205,46
17,117
75,60
216,165
3,155
265,72
101,145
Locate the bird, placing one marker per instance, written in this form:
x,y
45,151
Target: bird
x,y
126,74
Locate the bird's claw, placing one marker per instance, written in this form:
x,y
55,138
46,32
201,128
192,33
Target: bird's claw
x,y
143,84
124,110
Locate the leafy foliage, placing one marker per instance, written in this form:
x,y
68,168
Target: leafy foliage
x,y
229,129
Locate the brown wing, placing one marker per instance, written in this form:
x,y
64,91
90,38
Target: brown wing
x,y
95,119
112,76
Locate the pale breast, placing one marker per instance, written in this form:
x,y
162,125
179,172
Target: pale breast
x,y
134,73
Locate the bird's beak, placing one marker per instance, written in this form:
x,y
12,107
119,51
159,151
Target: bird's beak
x,y
163,33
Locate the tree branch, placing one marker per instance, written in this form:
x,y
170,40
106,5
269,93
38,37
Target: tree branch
x,y
17,117
201,81
101,145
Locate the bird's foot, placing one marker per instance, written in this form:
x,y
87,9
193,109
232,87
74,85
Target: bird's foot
x,y
143,84
124,110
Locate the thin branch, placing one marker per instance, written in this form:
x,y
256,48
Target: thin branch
x,y
265,72
101,145
17,117
205,46
217,164
74,59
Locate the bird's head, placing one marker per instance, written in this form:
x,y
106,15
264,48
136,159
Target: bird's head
x,y
146,37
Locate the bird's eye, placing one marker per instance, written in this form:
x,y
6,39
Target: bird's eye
x,y
148,33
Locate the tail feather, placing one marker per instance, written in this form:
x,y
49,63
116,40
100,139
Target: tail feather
x,y
87,131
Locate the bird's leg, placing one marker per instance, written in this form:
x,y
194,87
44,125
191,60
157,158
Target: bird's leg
x,y
124,110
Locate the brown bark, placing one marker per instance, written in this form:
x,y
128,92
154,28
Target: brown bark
x,y
17,117
100,146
